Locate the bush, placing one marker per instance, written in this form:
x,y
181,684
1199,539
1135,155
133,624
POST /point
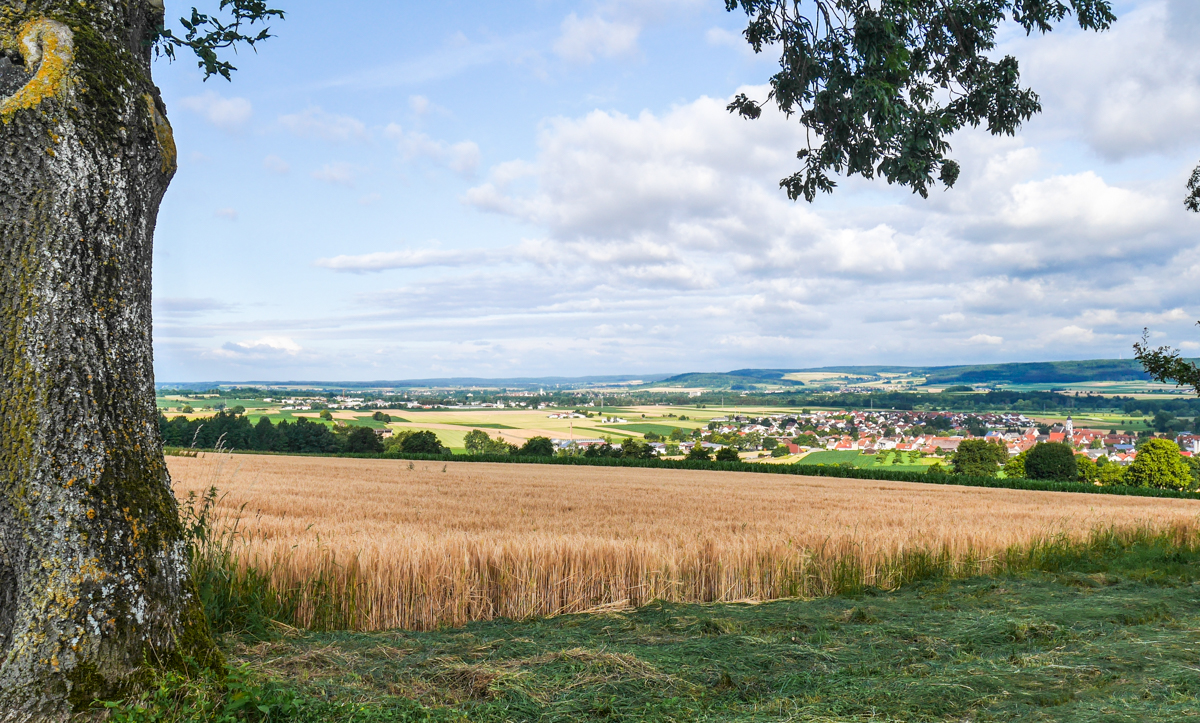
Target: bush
x,y
1052,461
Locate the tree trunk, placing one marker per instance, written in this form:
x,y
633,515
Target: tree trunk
x,y
94,580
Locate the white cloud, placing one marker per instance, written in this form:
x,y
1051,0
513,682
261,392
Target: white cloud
x,y
228,114
986,339
316,123
462,157
583,39
403,259
276,165
264,348
1105,83
338,174
419,104
230,214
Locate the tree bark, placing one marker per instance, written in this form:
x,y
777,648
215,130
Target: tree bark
x,y
95,589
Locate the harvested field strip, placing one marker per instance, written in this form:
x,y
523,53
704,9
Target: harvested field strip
x,y
362,544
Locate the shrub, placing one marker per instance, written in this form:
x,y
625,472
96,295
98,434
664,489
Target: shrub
x,y
1053,461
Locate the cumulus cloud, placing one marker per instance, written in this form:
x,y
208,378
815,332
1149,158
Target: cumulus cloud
x,y
267,347
583,39
462,157
276,165
338,174
1104,83
316,123
228,114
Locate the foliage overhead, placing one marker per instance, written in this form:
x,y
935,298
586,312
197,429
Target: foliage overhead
x,y
1164,363
881,84
207,34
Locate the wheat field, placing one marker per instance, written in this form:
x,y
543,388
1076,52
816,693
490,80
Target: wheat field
x,y
379,544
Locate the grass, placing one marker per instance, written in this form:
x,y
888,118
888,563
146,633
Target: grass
x,y
483,425
1099,630
369,544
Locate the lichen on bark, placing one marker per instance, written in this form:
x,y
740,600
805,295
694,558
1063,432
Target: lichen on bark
x,y
94,580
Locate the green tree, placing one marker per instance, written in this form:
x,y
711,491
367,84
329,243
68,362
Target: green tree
x,y
699,452
423,442
537,447
326,415
1159,464
477,441
978,458
1087,470
1015,467
727,454
363,439
881,86
94,578
634,449
1051,461
1111,474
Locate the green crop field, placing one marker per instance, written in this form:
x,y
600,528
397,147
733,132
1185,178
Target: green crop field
x,y
659,429
480,425
843,457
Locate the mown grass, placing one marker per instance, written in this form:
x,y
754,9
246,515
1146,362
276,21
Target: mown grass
x,y
1105,630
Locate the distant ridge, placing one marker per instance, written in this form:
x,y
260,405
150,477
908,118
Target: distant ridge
x,y
1058,372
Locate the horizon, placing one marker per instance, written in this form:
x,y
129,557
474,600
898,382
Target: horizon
x,y
557,189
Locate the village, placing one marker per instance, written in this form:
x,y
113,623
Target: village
x,y
925,434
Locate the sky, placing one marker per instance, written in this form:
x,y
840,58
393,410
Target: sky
x,y
401,190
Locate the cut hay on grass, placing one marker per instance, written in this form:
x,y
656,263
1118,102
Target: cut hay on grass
x,y
376,544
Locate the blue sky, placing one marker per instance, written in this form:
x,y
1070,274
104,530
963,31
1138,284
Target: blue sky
x,y
406,190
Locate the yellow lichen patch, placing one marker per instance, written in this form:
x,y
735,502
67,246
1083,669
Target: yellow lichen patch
x,y
50,45
166,138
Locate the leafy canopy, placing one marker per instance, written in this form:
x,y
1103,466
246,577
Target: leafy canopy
x,y
1165,364
207,34
881,84
1052,461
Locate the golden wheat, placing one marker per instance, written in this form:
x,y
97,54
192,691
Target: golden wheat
x,y
423,544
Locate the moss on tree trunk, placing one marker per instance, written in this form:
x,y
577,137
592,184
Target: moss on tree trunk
x,y
94,581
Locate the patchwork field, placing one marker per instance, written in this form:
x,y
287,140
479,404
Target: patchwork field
x,y
422,544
